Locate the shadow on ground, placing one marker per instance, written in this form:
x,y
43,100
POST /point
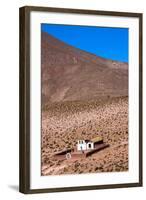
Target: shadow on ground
x,y
14,187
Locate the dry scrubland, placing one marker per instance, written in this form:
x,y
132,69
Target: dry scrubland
x,y
76,79
64,123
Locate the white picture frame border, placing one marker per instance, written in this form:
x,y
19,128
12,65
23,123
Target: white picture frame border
x,y
38,181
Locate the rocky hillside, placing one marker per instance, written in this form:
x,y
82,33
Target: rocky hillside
x,y
70,74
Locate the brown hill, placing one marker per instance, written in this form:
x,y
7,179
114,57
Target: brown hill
x,y
70,74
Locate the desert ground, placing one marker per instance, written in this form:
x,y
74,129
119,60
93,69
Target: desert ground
x,y
83,96
63,123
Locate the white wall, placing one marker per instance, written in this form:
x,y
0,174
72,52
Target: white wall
x,y
9,62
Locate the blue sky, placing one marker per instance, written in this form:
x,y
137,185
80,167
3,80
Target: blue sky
x,y
110,43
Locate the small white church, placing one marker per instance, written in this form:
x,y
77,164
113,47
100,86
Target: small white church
x,y
83,145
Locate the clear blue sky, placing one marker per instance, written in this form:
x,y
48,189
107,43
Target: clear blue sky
x,y
111,43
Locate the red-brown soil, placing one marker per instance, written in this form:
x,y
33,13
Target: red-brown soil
x,y
69,74
83,96
63,124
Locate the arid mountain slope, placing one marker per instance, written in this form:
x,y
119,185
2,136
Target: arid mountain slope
x,y
70,74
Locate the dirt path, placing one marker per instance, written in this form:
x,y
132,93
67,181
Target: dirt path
x,y
53,169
